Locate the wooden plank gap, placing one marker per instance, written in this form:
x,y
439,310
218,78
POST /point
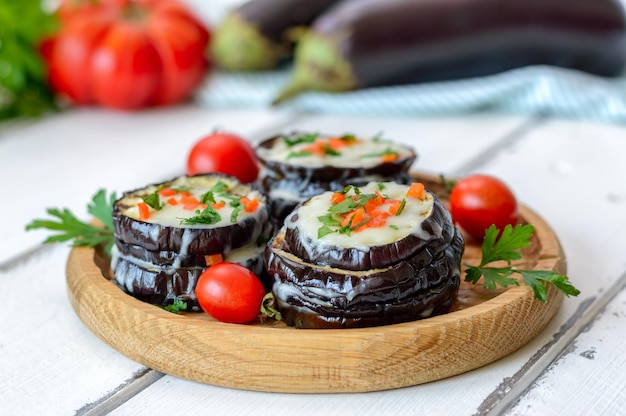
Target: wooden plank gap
x,y
124,392
508,392
506,142
13,262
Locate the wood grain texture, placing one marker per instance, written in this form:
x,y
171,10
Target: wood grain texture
x,y
483,327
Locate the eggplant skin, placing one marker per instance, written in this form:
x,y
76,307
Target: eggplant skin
x,y
258,34
439,225
273,17
164,285
366,43
313,296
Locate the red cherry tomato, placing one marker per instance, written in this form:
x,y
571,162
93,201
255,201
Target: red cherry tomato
x,y
230,293
478,201
127,54
224,153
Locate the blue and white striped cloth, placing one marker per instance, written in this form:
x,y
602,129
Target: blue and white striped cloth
x,y
536,90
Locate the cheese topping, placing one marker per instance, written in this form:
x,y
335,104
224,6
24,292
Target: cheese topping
x,y
381,214
313,150
198,202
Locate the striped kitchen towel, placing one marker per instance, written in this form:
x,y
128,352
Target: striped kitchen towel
x,y
535,90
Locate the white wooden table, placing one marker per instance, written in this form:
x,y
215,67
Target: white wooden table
x,y
572,174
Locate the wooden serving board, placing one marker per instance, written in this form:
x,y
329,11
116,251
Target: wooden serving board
x,y
483,327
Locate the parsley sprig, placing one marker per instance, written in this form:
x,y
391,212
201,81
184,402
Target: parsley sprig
x,y
507,248
69,227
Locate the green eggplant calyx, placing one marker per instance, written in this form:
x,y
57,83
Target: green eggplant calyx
x,y
238,45
318,66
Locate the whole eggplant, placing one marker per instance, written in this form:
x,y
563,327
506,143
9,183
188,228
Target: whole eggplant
x,y
258,34
364,43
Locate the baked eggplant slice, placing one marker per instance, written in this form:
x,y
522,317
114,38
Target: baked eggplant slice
x,y
166,234
299,165
412,272
163,285
422,222
193,216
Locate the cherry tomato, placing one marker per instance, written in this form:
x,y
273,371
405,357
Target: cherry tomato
x,y
478,201
224,153
230,293
127,54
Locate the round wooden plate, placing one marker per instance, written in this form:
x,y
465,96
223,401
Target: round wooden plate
x,y
484,326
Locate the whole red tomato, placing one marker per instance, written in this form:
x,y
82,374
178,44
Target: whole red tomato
x,y
230,293
478,201
127,54
224,153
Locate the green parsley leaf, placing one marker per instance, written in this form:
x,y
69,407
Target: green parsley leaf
x,y
235,213
401,207
153,200
324,230
330,151
207,216
177,306
301,153
533,279
507,248
508,245
219,187
82,234
385,152
207,198
304,138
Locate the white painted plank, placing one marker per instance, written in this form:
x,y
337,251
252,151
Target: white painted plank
x,y
63,160
588,379
51,364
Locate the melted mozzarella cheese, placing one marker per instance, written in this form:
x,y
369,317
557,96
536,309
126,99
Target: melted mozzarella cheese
x,y
360,154
172,215
397,227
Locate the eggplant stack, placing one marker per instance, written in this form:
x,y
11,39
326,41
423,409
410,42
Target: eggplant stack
x,y
167,234
381,254
299,165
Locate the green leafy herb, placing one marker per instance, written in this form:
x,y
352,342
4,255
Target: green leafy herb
x,y
219,187
329,151
235,213
381,186
401,207
207,216
349,204
24,91
393,227
507,248
207,198
153,200
301,153
304,138
348,138
176,307
268,308
82,234
387,152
